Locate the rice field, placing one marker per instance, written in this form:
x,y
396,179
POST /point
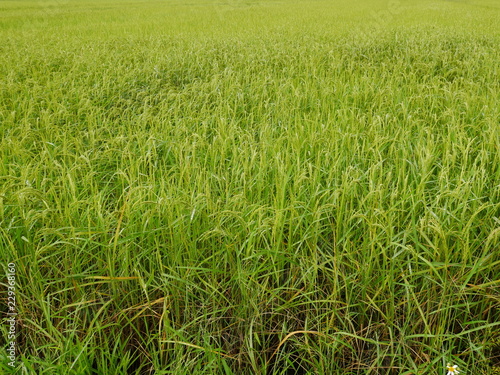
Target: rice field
x,y
250,187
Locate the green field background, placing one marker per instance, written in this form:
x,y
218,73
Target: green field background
x,y
251,187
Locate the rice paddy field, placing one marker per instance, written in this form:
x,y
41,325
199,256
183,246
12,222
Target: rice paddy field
x,y
250,187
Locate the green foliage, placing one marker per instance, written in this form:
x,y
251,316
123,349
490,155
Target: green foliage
x,y
251,187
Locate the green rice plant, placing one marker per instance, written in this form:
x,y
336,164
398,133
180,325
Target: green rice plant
x,y
250,187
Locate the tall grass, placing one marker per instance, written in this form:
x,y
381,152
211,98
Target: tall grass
x,y
251,189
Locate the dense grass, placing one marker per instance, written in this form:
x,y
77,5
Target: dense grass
x,y
251,187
